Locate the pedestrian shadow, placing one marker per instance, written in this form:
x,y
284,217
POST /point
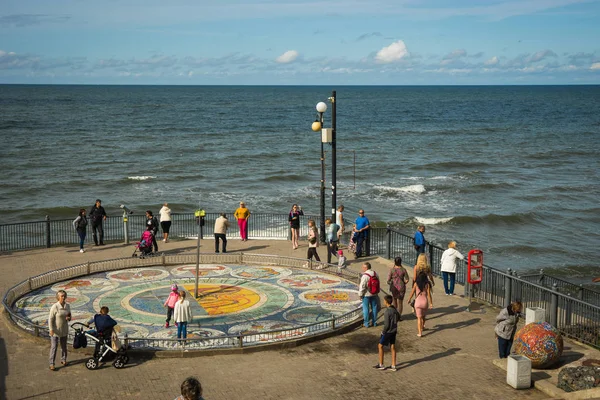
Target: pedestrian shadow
x,y
442,311
449,352
42,395
3,368
455,325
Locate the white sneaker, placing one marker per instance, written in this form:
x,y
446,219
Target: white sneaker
x,y
82,251
164,240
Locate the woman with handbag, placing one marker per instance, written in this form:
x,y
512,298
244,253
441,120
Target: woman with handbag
x,y
423,301
398,279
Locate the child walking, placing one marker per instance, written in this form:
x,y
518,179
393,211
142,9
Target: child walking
x,y
170,303
342,263
388,335
182,315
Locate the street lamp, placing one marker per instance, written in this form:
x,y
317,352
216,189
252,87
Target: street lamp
x,y
316,127
328,135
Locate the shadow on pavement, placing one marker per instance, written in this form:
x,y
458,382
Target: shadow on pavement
x,y
3,368
442,311
432,357
455,325
40,395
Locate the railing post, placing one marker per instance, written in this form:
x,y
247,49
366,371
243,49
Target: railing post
x,y
241,339
88,265
388,232
367,246
430,255
568,312
29,283
48,242
333,322
554,305
580,292
164,259
507,288
541,278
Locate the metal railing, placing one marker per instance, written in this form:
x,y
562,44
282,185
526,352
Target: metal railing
x,y
574,310
49,232
224,341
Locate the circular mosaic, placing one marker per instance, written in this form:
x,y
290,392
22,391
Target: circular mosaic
x,y
138,274
85,285
331,297
232,300
204,270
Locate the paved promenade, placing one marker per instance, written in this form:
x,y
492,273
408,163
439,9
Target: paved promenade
x,y
453,360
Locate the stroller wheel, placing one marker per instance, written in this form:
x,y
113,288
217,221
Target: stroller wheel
x,y
91,363
119,363
126,359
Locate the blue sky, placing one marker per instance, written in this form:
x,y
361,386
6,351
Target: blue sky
x,y
300,42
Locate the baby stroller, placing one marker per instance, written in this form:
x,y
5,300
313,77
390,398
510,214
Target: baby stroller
x,y
145,244
104,347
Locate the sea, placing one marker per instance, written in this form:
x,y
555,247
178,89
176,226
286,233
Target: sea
x,y
511,170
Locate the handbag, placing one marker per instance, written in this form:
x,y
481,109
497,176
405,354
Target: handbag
x,y
312,240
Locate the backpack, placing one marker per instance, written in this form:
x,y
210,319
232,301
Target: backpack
x,y
373,284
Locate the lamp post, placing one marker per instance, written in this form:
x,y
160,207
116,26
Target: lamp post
x,y
199,214
328,135
317,126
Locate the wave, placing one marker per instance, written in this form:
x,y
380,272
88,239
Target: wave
x,y
452,165
140,178
405,189
289,177
432,221
497,219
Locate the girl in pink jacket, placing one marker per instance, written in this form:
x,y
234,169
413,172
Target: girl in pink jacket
x,y
170,303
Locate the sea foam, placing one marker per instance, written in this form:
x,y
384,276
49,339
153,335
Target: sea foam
x,y
405,189
140,178
432,221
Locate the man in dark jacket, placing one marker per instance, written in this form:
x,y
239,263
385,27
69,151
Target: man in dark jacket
x,y
153,223
97,215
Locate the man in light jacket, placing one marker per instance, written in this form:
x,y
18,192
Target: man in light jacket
x,y
448,268
221,226
368,298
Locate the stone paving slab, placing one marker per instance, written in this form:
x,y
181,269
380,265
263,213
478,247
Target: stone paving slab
x,y
453,360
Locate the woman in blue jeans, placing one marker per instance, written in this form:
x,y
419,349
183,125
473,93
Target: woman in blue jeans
x,y
80,225
449,267
182,315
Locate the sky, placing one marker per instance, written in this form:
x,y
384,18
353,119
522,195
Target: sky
x,y
300,42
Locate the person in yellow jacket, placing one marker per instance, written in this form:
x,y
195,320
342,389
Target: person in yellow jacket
x,y
242,214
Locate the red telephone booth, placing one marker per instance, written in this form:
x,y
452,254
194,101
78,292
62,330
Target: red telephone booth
x,y
475,266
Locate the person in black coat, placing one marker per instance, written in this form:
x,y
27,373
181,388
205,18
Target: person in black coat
x,y
152,221
97,215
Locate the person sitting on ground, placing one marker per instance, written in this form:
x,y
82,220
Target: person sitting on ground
x,y
191,389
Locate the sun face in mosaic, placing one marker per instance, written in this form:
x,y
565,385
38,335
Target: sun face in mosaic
x,y
232,300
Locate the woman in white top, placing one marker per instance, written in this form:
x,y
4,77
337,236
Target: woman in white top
x,y
449,267
339,220
58,325
182,315
165,221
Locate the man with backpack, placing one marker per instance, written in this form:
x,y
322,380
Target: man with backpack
x,y
368,290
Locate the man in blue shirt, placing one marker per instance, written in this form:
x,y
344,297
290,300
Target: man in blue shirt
x,y
420,241
362,228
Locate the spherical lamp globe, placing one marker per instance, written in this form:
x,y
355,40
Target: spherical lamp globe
x,y
316,126
321,107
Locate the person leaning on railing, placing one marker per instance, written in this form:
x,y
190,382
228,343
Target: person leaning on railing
x,y
448,267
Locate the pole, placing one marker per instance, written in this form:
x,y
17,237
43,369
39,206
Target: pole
x,y
197,255
125,230
333,156
322,222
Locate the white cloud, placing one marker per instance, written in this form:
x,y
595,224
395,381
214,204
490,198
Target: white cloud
x,y
492,61
287,57
394,52
455,54
595,66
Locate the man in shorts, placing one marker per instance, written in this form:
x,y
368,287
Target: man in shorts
x,y
388,335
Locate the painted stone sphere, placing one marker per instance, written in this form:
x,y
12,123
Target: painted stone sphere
x,y
540,342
